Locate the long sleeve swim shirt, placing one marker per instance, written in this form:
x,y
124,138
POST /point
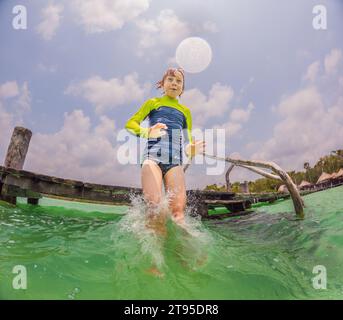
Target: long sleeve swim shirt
x,y
169,111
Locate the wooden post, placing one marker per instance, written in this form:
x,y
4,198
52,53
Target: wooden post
x,y
244,187
17,150
227,178
16,154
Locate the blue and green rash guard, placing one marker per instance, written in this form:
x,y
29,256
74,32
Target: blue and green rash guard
x,y
167,149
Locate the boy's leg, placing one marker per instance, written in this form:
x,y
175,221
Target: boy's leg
x,y
175,185
151,182
152,190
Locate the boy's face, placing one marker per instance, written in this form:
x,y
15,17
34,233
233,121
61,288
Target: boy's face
x,y
173,85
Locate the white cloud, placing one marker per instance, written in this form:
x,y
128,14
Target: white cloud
x,y
109,94
106,128
311,124
12,111
203,108
166,30
332,60
21,98
9,89
7,124
107,15
231,128
302,104
241,115
210,26
80,151
23,104
214,111
308,130
312,71
237,118
51,21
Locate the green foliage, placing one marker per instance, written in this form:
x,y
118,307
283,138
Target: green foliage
x,y
215,187
236,187
264,185
329,164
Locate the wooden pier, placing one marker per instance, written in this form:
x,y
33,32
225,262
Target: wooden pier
x,y
20,183
16,182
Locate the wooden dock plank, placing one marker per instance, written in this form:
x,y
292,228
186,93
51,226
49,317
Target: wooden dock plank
x,y
66,188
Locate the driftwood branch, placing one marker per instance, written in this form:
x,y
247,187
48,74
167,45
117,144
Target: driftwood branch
x,y
295,195
261,172
227,177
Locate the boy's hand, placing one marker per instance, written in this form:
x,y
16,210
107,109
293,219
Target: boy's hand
x,y
194,148
155,130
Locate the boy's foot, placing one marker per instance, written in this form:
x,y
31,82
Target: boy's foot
x,y
155,272
202,260
179,220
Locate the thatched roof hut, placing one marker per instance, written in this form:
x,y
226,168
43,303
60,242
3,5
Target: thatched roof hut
x,y
324,177
305,185
282,189
338,174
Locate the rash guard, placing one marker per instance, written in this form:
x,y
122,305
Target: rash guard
x,y
176,116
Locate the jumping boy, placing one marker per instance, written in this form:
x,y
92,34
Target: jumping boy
x,y
163,156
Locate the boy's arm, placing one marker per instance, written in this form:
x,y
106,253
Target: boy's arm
x,y
133,124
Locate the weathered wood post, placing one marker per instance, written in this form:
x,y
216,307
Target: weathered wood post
x,y
18,147
15,157
227,178
244,187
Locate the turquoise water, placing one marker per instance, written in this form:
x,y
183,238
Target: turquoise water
x,y
82,251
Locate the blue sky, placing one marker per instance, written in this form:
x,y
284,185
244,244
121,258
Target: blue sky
x,y
81,68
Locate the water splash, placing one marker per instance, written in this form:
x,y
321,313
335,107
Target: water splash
x,y
158,234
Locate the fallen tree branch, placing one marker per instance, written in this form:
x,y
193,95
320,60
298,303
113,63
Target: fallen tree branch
x,y
295,195
261,172
227,178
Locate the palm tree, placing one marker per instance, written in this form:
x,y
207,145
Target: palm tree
x,y
307,167
337,153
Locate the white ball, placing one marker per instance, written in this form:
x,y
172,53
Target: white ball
x,y
193,54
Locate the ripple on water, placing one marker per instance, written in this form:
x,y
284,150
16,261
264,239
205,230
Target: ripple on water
x,y
75,254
